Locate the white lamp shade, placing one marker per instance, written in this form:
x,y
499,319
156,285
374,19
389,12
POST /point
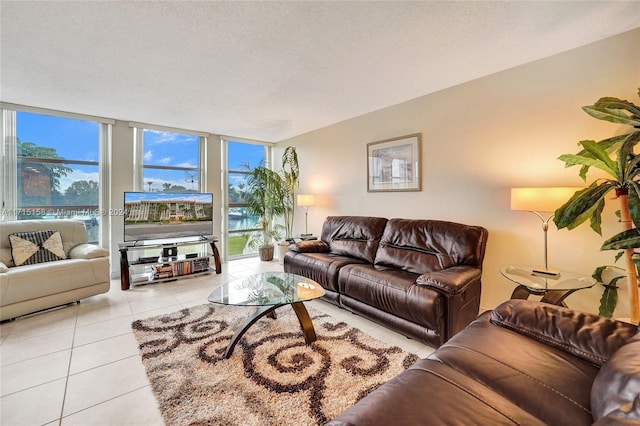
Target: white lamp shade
x,y
306,200
541,199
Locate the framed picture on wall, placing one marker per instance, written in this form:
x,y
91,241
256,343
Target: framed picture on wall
x,y
394,164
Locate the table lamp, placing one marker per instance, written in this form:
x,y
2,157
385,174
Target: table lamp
x,y
306,201
538,201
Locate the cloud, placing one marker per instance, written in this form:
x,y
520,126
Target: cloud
x,y
76,175
187,164
159,137
148,156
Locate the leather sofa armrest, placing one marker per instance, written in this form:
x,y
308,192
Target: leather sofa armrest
x,y
310,246
87,251
587,336
3,267
452,280
615,394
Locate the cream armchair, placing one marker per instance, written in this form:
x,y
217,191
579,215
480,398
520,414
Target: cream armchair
x,y
32,287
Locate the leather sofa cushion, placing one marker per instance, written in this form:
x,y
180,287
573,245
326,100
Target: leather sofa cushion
x,y
87,251
546,381
421,246
310,246
46,279
395,292
323,268
616,390
72,232
430,393
353,236
588,336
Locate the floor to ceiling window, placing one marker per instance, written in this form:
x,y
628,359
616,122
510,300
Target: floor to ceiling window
x,y
51,168
170,161
241,158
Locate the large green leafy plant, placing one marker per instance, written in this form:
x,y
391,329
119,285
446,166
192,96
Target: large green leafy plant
x,y
615,157
263,197
290,180
270,195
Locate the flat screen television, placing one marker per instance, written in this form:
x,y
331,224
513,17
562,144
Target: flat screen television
x,y
167,215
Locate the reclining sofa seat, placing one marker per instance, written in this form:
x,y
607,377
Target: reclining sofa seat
x,y
29,288
524,363
418,277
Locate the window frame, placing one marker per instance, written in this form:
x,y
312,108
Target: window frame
x,y
138,156
268,154
9,165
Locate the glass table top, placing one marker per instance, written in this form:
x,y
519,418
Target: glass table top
x,y
529,277
268,288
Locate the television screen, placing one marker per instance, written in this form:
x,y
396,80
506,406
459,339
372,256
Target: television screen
x,y
164,215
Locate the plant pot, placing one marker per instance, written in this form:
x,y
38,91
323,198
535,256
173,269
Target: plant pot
x,y
283,246
266,253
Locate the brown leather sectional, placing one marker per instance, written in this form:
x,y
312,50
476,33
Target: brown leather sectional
x,y
525,363
418,277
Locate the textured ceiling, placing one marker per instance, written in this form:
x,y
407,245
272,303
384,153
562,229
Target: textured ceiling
x,y
273,70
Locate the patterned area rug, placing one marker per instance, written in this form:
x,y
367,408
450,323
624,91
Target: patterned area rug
x,y
272,377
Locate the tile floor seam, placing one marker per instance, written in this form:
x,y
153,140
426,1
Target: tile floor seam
x,y
33,386
32,358
66,381
102,365
103,339
103,320
102,402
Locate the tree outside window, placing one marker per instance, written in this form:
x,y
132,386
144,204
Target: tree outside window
x,y
57,169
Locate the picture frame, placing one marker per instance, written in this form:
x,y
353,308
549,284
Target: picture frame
x,y
393,165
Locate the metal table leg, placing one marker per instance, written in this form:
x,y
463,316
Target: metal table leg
x,y
301,312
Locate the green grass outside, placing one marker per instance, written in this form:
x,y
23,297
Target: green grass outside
x,y
236,244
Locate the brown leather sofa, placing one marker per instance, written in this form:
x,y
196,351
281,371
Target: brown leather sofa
x,y
525,363
418,277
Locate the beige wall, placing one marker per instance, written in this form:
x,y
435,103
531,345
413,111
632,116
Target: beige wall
x,y
479,139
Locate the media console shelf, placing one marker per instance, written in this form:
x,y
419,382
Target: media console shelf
x,y
150,263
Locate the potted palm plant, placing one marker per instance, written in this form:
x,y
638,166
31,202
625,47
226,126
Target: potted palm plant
x,y
615,157
263,196
270,195
290,177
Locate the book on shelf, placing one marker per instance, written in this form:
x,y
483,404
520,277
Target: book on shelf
x,y
161,275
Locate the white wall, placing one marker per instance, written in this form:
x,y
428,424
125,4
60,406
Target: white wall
x,y
479,139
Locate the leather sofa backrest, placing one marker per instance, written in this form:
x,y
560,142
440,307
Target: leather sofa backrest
x,y
353,236
72,232
422,246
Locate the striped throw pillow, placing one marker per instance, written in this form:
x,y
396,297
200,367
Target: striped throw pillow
x,y
28,248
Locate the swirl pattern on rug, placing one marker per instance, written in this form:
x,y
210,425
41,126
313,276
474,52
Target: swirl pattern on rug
x,y
272,378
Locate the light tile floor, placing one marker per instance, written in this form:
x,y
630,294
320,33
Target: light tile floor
x,y
79,365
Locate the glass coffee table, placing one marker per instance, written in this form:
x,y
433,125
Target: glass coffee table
x,y
554,288
269,291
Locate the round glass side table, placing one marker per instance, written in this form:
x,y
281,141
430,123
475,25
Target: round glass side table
x,y
553,288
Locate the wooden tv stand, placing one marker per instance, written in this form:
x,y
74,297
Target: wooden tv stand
x,y
138,267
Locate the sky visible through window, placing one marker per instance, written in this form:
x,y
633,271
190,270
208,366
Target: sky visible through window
x,y
240,153
170,149
78,140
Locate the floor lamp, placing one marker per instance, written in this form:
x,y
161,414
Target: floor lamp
x,y
306,201
538,201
